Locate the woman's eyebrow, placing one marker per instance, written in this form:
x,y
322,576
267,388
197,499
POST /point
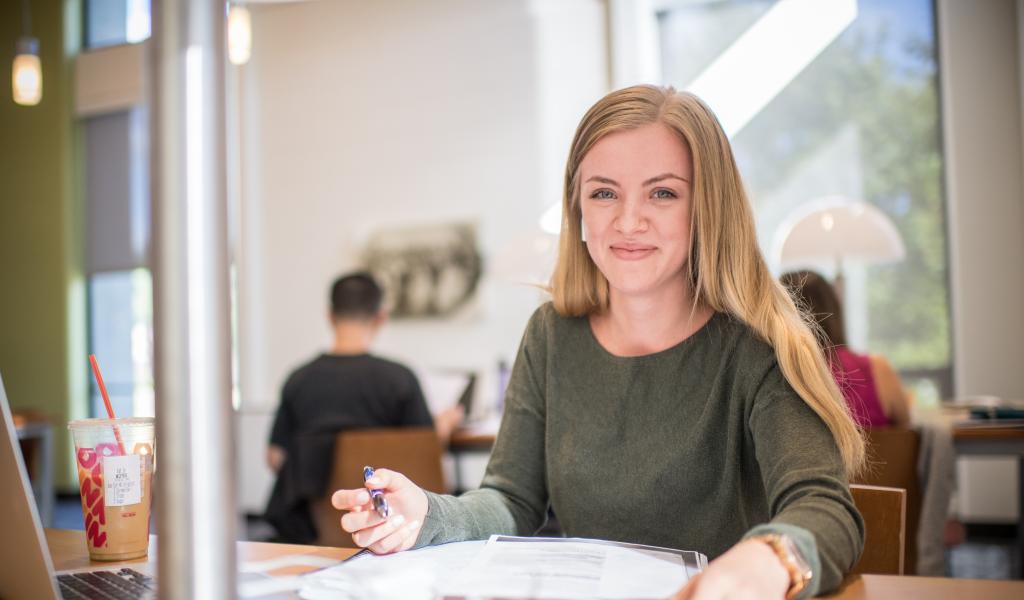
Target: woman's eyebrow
x,y
665,176
650,181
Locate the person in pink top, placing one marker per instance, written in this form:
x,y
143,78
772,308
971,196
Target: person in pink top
x,y
869,382
876,398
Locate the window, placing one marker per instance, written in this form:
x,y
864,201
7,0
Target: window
x,y
113,22
121,335
826,98
120,304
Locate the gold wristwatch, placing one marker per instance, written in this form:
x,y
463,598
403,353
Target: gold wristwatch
x,y
799,569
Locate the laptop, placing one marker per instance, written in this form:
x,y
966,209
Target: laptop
x,y
26,570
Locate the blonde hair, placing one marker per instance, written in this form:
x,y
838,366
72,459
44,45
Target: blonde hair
x,y
726,270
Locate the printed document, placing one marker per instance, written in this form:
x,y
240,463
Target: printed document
x,y
566,568
513,568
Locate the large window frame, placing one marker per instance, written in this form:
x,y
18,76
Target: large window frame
x,y
111,107
637,58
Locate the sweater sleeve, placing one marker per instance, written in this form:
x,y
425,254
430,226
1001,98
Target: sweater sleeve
x,y
513,497
805,482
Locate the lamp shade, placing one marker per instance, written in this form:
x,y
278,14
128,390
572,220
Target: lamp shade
x,y
26,73
837,228
239,34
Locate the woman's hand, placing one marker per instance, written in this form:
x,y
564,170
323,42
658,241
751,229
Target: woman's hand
x,y
750,569
408,504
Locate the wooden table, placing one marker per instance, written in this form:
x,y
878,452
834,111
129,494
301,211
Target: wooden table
x,y
468,439
69,553
68,550
997,438
872,587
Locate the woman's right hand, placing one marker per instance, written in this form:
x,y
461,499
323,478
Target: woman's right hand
x,y
408,504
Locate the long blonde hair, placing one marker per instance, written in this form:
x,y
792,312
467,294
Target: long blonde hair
x,y
726,270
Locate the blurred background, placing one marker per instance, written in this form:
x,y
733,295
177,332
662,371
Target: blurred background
x,y
427,141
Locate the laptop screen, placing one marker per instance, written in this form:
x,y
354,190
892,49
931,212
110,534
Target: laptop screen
x,y
26,570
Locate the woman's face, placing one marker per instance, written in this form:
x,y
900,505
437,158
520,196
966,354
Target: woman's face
x,y
635,193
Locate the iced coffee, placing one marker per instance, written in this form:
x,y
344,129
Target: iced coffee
x,y
115,460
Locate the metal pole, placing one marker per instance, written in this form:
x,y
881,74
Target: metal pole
x,y
195,451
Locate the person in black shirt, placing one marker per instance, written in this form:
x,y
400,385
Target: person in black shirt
x,y
348,388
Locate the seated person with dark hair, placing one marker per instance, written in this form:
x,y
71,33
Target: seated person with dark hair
x,y
870,385
348,388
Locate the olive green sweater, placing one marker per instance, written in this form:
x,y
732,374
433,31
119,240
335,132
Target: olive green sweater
x,y
694,447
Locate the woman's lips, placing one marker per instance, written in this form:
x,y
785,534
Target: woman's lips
x,y
629,252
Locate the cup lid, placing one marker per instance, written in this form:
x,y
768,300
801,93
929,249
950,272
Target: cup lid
x,y
123,422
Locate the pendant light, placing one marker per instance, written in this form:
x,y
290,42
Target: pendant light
x,y
239,34
26,72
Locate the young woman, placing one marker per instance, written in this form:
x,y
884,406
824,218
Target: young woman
x,y
671,394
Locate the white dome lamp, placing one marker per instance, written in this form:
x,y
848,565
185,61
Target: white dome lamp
x,y
837,229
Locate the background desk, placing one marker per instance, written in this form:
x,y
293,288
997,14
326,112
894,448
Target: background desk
x,y
68,550
35,429
469,441
997,438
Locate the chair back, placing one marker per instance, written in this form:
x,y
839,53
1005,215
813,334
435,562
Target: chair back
x,y
413,451
892,462
884,512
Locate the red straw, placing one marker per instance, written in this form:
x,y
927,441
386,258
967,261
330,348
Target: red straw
x,y
106,398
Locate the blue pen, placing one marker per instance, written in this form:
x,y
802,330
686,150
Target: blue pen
x,y
380,504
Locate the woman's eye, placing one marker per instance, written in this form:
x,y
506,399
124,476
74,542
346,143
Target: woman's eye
x,y
603,195
663,193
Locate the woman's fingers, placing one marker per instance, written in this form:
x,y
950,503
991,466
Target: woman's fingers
x,y
372,535
401,538
350,499
386,479
398,532
358,520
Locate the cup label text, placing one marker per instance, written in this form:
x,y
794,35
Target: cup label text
x,y
122,479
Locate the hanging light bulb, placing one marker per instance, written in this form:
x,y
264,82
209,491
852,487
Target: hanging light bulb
x,y
239,34
26,72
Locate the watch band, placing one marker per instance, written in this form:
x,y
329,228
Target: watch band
x,y
800,572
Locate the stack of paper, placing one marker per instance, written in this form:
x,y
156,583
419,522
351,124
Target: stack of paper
x,y
512,567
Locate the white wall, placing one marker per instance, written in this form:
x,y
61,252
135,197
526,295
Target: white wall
x,y
358,115
982,129
981,97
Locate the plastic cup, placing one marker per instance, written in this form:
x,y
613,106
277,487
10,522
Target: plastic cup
x,y
115,478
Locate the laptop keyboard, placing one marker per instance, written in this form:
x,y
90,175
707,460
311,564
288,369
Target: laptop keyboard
x,y
126,584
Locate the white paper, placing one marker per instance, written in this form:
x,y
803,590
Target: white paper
x,y
488,426
441,390
122,480
507,567
259,585
570,568
411,575
290,560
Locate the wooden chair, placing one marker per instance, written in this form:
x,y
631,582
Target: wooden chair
x,y
413,451
884,512
892,462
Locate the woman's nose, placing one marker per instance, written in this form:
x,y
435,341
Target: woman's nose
x,y
631,217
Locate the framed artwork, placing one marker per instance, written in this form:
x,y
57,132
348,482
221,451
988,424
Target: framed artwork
x,y
427,271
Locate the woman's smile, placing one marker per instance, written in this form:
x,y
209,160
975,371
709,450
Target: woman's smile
x,y
632,251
